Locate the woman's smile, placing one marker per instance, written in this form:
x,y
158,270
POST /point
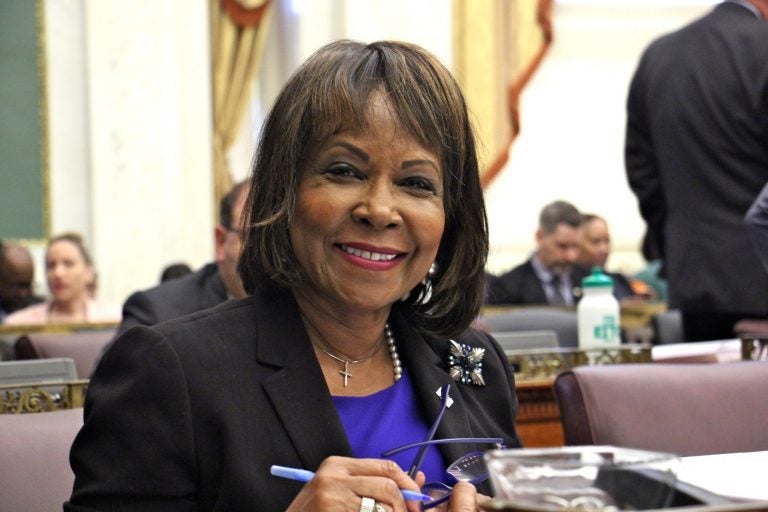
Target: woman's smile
x,y
370,258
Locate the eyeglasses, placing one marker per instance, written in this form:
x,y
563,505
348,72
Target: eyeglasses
x,y
470,467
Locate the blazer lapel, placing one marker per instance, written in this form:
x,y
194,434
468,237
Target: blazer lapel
x,y
301,399
424,359
297,389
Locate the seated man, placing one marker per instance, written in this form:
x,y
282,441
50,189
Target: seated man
x,y
209,286
594,249
550,275
17,273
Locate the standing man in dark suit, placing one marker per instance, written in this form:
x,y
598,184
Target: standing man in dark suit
x,y
550,275
209,286
697,155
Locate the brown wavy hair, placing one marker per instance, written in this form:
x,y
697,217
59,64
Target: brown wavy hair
x,y
329,93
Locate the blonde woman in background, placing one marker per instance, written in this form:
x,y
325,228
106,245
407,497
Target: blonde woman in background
x,y
70,274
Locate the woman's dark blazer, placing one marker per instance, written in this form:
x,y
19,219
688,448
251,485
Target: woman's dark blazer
x,y
190,414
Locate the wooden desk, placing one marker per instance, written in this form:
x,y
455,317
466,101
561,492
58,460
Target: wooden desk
x,y
538,417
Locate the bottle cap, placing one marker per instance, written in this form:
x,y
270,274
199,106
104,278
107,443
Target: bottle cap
x,y
597,279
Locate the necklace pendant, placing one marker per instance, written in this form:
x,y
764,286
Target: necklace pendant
x,y
345,373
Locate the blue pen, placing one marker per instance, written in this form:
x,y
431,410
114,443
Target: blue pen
x,y
302,475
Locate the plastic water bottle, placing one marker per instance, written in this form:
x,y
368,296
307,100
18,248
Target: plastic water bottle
x,y
598,312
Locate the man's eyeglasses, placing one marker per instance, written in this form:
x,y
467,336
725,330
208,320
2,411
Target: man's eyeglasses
x,y
470,467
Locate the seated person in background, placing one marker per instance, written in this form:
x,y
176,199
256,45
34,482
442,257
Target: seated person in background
x,y
650,279
174,271
550,276
69,272
209,286
17,275
363,253
594,249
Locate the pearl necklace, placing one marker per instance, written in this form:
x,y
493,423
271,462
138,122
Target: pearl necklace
x,y
397,367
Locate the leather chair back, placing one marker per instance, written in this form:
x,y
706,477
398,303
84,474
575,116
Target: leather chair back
x,y
34,459
687,409
85,347
562,322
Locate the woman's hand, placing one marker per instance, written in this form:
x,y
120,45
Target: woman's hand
x,y
340,483
464,498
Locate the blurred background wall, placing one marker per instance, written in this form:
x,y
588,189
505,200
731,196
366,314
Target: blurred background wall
x,y
130,114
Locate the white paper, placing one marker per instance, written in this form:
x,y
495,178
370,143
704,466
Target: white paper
x,y
738,475
719,351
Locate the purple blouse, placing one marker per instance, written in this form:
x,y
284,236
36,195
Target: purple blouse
x,y
388,419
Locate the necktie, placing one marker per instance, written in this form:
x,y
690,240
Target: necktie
x,y
557,295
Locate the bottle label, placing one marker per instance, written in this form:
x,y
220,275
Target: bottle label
x,y
608,330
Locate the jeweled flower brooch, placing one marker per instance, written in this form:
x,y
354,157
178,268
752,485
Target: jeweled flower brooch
x,y
465,363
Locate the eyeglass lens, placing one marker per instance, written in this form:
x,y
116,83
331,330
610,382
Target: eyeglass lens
x,y
469,467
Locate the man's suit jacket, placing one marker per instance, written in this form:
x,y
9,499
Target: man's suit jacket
x,y
190,414
756,221
697,155
521,285
194,292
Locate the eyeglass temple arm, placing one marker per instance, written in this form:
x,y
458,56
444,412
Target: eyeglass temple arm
x,y
474,440
432,430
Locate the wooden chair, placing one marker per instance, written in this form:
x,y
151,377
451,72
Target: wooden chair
x,y
85,347
34,459
688,409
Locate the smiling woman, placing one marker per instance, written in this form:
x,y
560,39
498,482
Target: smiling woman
x,y
426,105
364,244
